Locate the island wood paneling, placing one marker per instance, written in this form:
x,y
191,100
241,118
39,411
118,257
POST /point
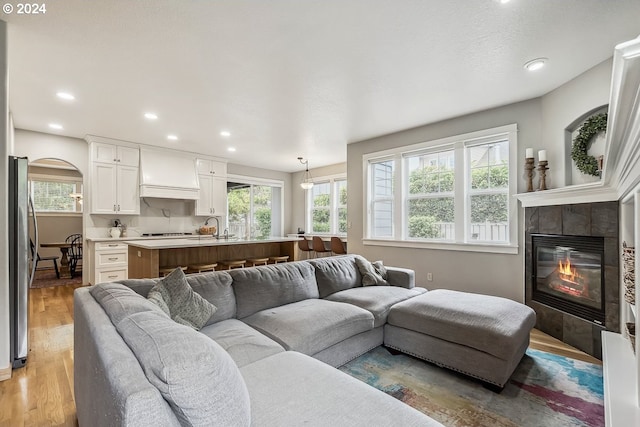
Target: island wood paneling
x,y
145,263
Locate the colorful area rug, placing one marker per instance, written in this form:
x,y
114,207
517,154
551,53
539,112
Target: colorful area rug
x,y
546,390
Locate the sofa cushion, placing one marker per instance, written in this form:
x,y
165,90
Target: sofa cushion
x,y
373,273
311,393
176,298
118,301
215,287
335,274
311,325
194,374
243,343
270,286
376,299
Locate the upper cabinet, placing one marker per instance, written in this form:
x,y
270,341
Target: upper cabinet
x,y
212,176
211,167
114,179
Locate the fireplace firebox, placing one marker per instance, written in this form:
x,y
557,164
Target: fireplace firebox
x,y
568,274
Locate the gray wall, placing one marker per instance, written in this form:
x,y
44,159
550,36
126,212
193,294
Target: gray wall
x,y
541,123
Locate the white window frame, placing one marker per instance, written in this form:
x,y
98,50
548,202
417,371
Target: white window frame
x,y
333,204
249,180
461,183
79,188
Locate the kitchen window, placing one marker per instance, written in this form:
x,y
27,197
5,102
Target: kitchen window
x,y
327,206
254,207
453,193
56,196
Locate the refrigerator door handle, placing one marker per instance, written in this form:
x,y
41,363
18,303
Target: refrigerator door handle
x,y
34,256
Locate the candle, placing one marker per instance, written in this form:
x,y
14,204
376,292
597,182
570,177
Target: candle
x,y
542,155
529,153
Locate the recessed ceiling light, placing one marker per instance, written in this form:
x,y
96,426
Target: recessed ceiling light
x,y
55,126
232,149
535,64
172,137
65,95
225,133
151,116
504,1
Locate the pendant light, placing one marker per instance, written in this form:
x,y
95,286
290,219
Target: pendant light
x,y
307,179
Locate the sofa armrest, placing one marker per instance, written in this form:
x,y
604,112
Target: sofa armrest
x,y
402,277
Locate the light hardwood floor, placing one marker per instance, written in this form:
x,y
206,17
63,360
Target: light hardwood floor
x,y
41,394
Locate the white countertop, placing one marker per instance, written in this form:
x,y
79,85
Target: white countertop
x,y
128,238
198,241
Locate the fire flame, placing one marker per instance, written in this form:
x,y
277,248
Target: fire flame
x,y
567,272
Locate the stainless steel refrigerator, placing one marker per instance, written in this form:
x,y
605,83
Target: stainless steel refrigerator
x,y
20,275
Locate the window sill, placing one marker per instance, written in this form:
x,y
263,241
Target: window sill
x,y
465,247
39,214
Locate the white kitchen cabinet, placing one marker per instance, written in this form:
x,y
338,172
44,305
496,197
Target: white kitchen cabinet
x,y
213,187
117,154
213,196
114,179
110,260
211,167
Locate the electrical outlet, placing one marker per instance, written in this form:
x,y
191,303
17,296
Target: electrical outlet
x,y
139,254
429,277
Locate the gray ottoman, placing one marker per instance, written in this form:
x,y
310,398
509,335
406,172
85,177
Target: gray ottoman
x,y
479,335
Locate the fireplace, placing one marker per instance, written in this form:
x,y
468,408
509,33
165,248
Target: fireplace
x,y
568,274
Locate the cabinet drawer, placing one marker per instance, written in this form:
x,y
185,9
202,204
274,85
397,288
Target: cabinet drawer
x,y
102,246
104,259
111,275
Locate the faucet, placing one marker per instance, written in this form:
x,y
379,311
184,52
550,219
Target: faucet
x,y
206,222
226,233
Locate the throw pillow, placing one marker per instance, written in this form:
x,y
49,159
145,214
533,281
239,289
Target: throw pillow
x,y
176,298
198,379
372,273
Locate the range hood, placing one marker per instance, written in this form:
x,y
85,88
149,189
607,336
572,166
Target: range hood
x,y
168,175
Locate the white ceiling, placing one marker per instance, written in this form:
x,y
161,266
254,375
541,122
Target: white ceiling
x,y
293,78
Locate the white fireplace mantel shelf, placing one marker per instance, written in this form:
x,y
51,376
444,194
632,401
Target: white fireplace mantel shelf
x,y
583,193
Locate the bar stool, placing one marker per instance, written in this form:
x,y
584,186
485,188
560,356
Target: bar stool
x,y
337,246
229,264
319,247
278,259
201,268
166,270
257,261
303,245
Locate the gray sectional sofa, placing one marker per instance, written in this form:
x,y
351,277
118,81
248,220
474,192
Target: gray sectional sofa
x,y
265,357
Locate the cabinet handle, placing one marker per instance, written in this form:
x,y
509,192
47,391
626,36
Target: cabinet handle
x,y
113,276
113,245
114,208
115,160
213,210
112,259
118,208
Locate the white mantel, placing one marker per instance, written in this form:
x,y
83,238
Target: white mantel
x,y
621,171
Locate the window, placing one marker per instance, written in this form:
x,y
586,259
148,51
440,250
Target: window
x,y
453,193
56,196
327,206
254,208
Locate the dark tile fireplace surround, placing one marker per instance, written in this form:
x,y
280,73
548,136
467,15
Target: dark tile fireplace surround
x,y
585,219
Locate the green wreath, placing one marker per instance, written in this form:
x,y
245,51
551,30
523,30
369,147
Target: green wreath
x,y
590,128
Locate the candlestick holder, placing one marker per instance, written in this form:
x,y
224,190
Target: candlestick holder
x,y
529,167
542,167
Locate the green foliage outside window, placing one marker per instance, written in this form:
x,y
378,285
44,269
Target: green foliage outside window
x,y
424,214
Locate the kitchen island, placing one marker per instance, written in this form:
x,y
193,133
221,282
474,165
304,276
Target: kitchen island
x,y
147,256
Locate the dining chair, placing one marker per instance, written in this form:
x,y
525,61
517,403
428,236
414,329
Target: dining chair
x,y
75,253
35,257
70,237
303,245
319,247
337,246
